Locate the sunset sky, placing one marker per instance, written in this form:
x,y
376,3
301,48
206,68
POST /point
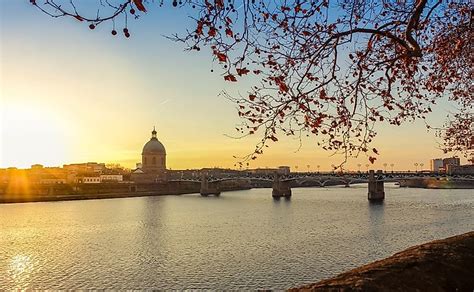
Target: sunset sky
x,y
69,94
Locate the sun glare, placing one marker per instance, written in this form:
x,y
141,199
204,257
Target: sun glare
x,y
20,269
32,134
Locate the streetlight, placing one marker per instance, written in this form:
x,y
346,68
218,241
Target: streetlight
x,y
359,165
391,165
318,167
421,166
416,166
367,167
308,167
385,167
296,168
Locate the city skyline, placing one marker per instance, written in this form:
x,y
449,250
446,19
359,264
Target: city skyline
x,y
102,105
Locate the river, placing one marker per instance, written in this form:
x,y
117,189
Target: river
x,y
240,240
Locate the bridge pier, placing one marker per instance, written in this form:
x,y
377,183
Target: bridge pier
x,y
280,188
208,189
376,189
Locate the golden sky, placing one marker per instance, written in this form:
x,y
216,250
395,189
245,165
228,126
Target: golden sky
x,y
69,94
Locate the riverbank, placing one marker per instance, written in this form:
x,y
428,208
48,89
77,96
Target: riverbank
x,y
66,192
75,197
441,265
31,199
437,183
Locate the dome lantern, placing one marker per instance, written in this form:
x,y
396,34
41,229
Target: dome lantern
x,y
154,146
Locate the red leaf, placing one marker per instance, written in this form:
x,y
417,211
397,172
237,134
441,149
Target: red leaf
x,y
230,77
252,97
322,94
306,33
282,86
212,31
221,57
139,4
219,3
242,71
199,28
372,159
229,32
375,151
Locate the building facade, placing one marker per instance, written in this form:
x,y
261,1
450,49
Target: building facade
x,y
452,161
436,164
111,178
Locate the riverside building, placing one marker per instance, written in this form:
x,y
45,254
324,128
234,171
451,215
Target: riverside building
x,y
153,165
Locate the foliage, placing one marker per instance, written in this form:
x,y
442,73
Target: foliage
x,y
333,69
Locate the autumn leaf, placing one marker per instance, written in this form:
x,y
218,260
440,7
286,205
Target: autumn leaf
x,y
242,71
229,32
375,151
199,28
139,4
322,94
252,97
230,77
219,3
283,87
372,159
221,57
212,31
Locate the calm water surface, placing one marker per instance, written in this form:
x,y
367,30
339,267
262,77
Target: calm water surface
x,y
241,240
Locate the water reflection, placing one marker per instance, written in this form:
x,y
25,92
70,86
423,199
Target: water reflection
x,y
240,241
278,199
375,220
20,269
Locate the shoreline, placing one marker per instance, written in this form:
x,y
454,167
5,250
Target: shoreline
x,y
440,265
159,190
60,198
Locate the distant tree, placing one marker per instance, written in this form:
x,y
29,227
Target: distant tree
x,y
457,135
333,69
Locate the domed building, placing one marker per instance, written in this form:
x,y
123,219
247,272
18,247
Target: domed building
x,y
153,155
153,166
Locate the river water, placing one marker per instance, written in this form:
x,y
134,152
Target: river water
x,y
240,240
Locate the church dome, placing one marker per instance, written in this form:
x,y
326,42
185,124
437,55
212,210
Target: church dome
x,y
153,146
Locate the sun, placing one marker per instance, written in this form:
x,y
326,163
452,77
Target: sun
x,y
32,133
